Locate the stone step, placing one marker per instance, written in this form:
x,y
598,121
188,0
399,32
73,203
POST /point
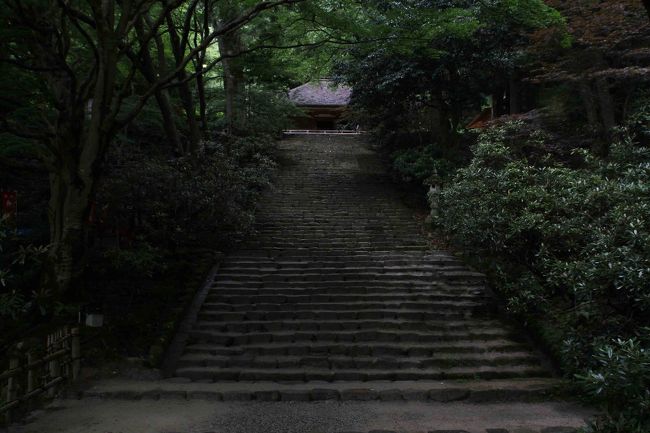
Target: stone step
x,y
235,296
405,235
340,245
339,286
371,348
350,256
313,374
359,336
337,235
435,290
324,265
447,392
338,315
336,275
257,268
357,307
399,284
316,251
349,362
316,242
341,325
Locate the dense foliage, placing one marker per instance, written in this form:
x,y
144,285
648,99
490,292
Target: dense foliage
x,y
137,139
140,134
568,245
426,82
171,202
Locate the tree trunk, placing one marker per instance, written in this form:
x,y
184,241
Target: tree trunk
x,y
184,90
436,124
513,94
589,103
200,93
83,132
68,209
233,81
600,145
162,96
169,121
606,105
73,178
445,125
607,114
200,83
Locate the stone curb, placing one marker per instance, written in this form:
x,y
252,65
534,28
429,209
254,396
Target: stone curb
x,y
324,394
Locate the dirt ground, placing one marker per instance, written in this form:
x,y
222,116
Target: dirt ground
x,y
107,416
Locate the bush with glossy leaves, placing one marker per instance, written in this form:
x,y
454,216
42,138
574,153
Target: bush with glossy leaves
x,y
568,246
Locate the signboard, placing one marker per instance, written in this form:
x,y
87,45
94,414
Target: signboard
x,y
9,205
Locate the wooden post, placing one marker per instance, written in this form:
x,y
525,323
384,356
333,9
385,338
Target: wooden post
x,y
75,350
55,364
14,363
31,382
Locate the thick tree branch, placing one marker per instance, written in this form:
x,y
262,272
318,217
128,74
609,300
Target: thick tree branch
x,y
228,27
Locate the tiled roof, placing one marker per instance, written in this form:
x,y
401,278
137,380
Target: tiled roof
x,y
320,93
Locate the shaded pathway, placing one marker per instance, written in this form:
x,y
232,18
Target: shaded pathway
x,y
337,317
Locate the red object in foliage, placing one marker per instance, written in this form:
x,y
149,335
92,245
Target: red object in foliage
x,y
10,204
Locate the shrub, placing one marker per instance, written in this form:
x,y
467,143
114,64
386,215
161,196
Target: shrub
x,y
207,198
142,261
579,233
620,379
568,243
21,303
423,164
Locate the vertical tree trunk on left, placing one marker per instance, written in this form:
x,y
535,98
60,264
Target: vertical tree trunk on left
x,y
81,140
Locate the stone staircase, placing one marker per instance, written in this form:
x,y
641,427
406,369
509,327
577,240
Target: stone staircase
x,y
340,289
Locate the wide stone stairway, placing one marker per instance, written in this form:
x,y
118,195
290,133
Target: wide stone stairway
x,y
337,316
340,296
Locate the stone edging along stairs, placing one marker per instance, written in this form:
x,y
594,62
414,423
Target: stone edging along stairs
x,y
339,297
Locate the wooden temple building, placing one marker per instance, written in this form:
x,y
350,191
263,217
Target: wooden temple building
x,y
323,102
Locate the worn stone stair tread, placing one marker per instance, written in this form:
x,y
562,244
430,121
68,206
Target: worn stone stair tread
x,y
311,374
356,324
339,285
233,297
361,362
430,313
232,338
440,391
375,348
335,315
340,273
346,306
349,258
434,289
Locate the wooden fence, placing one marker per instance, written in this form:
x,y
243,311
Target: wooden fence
x,y
37,368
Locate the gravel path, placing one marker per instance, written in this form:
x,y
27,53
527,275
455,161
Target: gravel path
x,y
96,416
